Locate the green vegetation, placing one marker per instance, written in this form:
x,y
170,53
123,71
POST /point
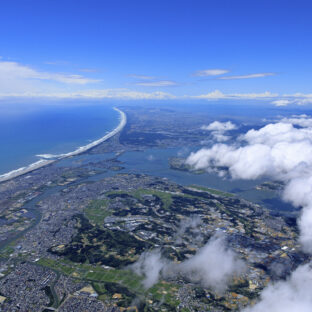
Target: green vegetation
x,y
97,211
166,292
94,273
164,196
109,282
96,245
120,294
212,191
6,251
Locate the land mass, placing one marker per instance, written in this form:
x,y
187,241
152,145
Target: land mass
x,y
70,232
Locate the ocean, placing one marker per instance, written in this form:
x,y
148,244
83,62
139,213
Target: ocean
x,y
50,129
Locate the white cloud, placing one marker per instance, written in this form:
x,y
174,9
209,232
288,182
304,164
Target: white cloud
x,y
26,88
88,70
277,133
142,77
249,76
150,265
219,137
281,102
220,126
19,80
280,151
217,94
291,295
13,70
299,95
151,81
276,99
59,62
214,265
296,98
273,150
210,72
298,120
303,101
218,129
17,85
95,94
159,83
263,95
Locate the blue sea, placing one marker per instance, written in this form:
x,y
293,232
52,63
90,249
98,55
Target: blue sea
x,y
28,130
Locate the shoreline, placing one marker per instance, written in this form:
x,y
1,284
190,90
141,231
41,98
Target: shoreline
x,y
47,159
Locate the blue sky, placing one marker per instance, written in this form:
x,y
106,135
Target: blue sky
x,y
157,49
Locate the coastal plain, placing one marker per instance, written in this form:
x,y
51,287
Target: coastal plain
x,y
71,232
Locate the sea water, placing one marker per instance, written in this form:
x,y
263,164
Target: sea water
x,y
50,129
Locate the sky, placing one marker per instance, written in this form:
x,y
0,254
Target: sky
x,y
175,49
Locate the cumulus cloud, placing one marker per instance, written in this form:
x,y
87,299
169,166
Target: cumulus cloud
x,y
282,151
218,129
281,102
150,265
274,150
216,94
191,224
210,72
219,137
213,266
299,120
291,295
296,99
219,126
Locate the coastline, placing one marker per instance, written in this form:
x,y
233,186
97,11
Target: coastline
x,y
47,159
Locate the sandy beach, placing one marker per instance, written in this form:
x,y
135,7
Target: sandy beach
x,y
47,159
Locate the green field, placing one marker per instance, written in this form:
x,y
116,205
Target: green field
x,y
97,211
106,282
93,273
164,196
